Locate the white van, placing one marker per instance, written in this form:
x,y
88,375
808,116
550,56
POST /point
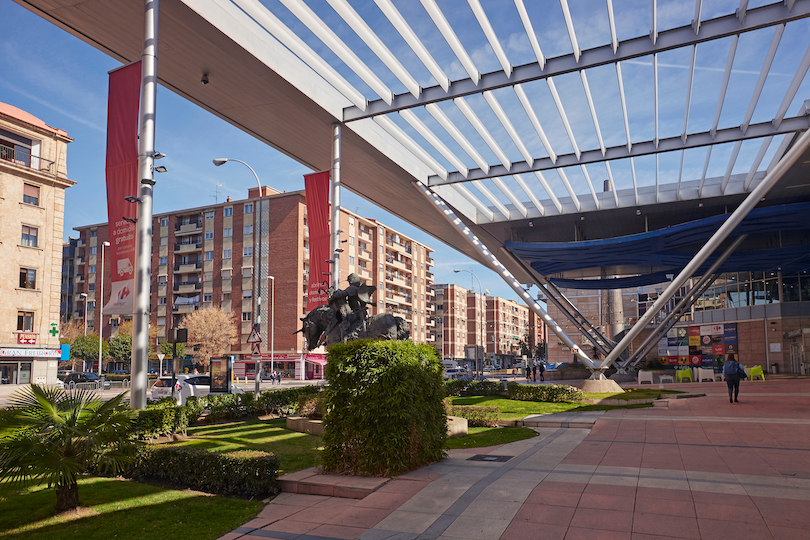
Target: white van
x,y
449,364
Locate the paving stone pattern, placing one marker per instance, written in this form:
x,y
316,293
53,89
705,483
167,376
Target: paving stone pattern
x,y
700,468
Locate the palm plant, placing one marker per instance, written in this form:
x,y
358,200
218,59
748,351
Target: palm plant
x,y
54,435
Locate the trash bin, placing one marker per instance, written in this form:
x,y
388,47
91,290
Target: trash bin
x,y
774,368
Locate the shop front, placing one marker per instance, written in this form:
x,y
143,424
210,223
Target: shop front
x,y
27,366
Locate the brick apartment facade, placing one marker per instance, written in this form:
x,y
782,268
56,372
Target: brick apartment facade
x,y
204,257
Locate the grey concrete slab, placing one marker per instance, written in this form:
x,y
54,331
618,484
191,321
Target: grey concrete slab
x,y
408,521
477,528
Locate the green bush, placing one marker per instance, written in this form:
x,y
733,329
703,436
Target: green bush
x,y
462,388
312,406
476,416
255,476
283,402
384,407
164,418
551,393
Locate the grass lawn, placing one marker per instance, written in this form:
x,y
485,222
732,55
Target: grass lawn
x,y
115,508
631,393
478,437
295,450
517,410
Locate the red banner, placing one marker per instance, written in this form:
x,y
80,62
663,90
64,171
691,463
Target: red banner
x,y
316,186
122,181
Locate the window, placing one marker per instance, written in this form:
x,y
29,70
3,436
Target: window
x,y
161,300
209,255
93,233
164,241
228,211
162,261
246,316
351,260
91,306
161,321
226,296
208,297
209,235
351,221
227,273
247,271
93,250
162,280
226,253
209,215
28,278
92,269
25,321
208,276
91,287
227,232
31,194
248,229
247,251
29,236
351,240
247,294
249,208
164,222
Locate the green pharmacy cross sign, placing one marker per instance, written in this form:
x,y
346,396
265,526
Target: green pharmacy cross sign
x,y
53,331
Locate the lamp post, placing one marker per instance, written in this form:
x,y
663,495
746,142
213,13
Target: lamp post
x,y
272,321
257,256
84,295
101,309
479,368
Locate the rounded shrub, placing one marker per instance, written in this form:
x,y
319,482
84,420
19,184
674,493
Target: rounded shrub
x,y
384,413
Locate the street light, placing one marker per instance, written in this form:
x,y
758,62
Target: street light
x,y
272,322
479,368
84,295
101,310
257,257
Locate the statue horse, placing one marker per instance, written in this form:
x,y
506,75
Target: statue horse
x,y
323,319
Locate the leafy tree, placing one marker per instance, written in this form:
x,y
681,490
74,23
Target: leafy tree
x,y
121,347
50,435
167,349
525,349
126,329
211,331
540,350
86,348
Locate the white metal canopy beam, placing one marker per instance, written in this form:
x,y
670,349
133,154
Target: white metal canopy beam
x,y
684,36
671,144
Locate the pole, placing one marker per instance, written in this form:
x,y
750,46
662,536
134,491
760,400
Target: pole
x,y
714,242
478,367
143,232
335,181
101,310
272,323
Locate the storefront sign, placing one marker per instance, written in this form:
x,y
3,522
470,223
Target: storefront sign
x,y
36,353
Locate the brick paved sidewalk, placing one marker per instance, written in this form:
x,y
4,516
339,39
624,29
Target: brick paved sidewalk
x,y
700,469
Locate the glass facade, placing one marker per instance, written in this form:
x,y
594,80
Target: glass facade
x,y
742,289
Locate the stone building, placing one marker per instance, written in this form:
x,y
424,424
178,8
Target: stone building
x,y
33,179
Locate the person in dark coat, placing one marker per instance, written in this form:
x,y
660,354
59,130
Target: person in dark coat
x,y
732,373
534,372
542,369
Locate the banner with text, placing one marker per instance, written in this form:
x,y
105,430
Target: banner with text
x,y
316,186
122,181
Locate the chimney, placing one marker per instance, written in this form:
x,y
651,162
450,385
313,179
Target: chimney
x,y
228,199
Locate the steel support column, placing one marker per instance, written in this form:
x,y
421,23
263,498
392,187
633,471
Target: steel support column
x,y
143,228
507,276
714,242
691,297
334,176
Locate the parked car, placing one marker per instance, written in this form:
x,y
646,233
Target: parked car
x,y
185,387
456,373
83,377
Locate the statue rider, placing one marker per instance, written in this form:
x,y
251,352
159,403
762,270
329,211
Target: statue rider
x,y
350,303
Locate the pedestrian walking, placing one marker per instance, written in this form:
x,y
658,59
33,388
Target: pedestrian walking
x,y
542,369
534,372
732,373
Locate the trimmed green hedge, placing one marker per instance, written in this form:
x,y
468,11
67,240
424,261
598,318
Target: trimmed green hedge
x,y
384,408
551,393
462,388
254,476
476,416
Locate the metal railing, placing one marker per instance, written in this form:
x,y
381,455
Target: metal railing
x,y
21,157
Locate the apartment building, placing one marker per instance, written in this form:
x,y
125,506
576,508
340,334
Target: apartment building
x,y
464,318
204,256
33,179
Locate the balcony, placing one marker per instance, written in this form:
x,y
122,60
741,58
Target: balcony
x,y
79,260
404,248
18,156
399,264
187,247
185,308
187,267
188,227
365,254
187,286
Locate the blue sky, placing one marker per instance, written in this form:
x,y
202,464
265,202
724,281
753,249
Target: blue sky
x,y
63,81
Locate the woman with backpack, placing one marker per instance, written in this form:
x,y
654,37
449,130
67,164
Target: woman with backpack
x,y
732,373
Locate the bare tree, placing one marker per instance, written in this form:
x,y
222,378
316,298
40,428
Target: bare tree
x,y
126,328
71,329
211,332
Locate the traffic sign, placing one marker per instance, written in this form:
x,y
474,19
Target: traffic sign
x,y
254,337
256,350
575,349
